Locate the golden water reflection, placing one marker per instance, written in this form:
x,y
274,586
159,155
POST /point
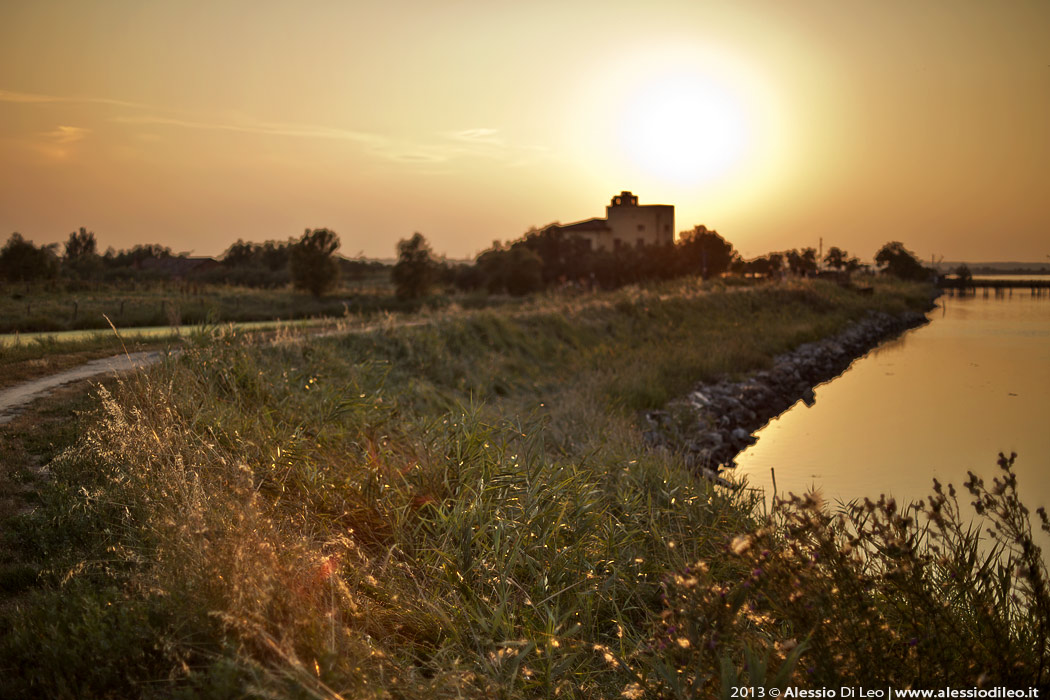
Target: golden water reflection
x,y
938,401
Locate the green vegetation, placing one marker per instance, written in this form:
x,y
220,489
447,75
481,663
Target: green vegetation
x,y
38,307
465,508
416,270
894,259
311,262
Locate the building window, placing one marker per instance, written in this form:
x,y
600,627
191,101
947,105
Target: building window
x,y
641,227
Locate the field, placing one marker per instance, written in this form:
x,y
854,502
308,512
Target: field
x,y
465,507
53,307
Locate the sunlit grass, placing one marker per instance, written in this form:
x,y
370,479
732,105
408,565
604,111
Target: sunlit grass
x,y
459,507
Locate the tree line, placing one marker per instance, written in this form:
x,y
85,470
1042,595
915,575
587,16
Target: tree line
x,y
308,263
540,259
548,257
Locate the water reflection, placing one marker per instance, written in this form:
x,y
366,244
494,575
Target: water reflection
x,y
936,402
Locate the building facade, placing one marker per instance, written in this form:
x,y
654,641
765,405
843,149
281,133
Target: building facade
x,y
626,224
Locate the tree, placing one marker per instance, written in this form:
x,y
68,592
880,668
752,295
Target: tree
x,y
524,271
81,258
416,268
81,244
894,259
239,254
835,258
963,274
776,263
21,261
311,263
705,251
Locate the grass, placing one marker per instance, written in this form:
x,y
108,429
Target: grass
x,y
461,508
50,307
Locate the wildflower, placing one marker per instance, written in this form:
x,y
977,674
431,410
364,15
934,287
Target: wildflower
x,y
740,544
683,642
787,645
607,655
633,691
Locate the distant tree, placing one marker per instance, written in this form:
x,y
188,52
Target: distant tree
x,y
705,252
524,271
894,259
21,261
564,256
312,263
81,244
416,269
964,274
81,258
835,258
129,258
776,263
240,254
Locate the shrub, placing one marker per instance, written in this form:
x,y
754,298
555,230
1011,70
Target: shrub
x,y
21,261
907,596
416,269
312,264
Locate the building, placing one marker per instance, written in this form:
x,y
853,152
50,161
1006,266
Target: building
x,y
626,223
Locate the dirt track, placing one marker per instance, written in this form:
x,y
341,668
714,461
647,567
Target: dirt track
x,y
15,399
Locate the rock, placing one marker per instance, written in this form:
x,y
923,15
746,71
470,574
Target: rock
x,y
729,412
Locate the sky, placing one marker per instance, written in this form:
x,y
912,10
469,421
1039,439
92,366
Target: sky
x,y
780,124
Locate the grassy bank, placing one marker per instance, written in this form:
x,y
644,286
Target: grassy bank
x,y
463,508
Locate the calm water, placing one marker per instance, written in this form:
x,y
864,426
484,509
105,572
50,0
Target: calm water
x,y
938,401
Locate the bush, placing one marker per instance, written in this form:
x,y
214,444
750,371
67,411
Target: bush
x,y
21,261
312,264
416,269
908,596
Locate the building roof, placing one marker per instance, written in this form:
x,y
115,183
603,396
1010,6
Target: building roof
x,y
595,224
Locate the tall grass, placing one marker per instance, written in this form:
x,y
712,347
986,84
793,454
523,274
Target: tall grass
x,y
457,509
900,595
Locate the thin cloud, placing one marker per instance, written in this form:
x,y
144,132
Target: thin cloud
x,y
478,142
64,135
293,130
37,98
489,143
481,135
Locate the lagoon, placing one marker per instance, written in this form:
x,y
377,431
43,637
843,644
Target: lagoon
x,y
935,402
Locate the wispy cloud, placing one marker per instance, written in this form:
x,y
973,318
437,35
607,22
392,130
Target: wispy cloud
x,y
37,98
479,135
56,144
477,142
292,130
63,135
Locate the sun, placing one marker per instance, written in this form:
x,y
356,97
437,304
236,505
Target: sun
x,y
685,129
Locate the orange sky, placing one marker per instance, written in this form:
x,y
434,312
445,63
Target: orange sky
x,y
194,123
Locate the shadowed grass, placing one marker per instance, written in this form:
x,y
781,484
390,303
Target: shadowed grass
x,y
462,508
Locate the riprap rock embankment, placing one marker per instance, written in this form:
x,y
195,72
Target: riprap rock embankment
x,y
715,421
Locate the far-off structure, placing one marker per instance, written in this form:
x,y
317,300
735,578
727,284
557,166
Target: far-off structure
x,y
626,223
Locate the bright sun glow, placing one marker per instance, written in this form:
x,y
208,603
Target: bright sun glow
x,y
685,129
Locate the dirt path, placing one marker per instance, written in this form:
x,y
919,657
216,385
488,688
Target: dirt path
x,y
15,399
